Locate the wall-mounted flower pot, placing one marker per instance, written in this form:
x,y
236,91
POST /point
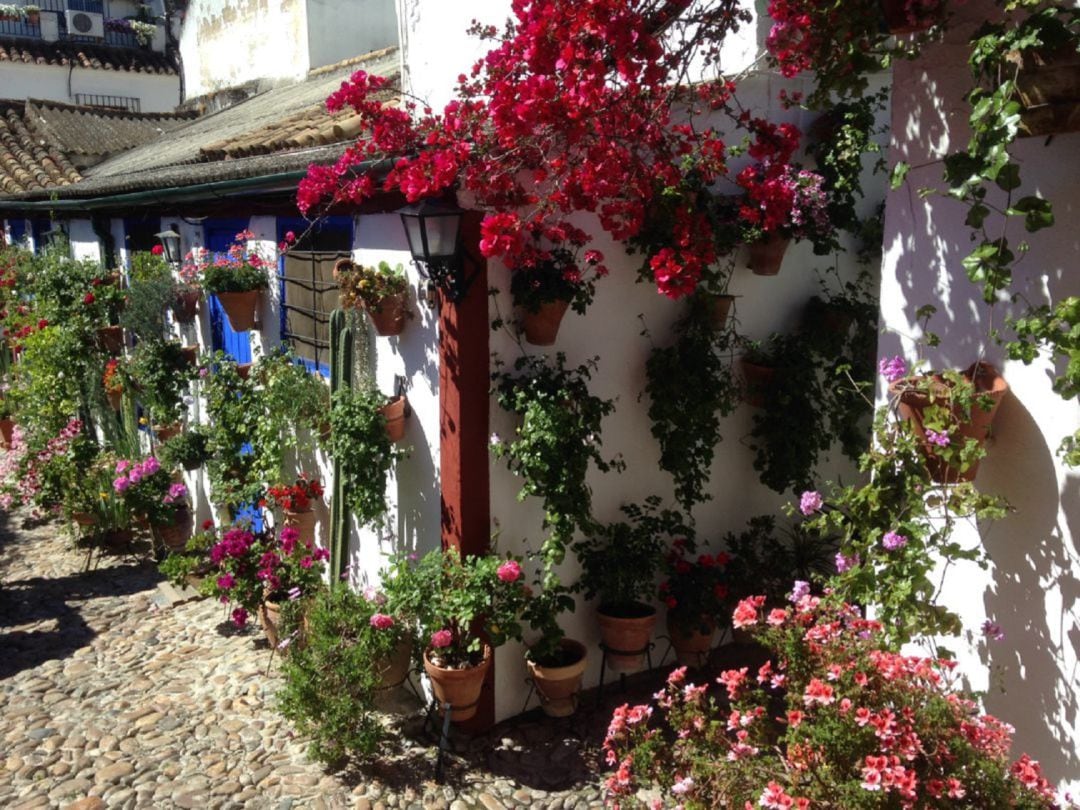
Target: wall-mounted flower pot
x,y
559,686
767,256
459,687
1048,85
692,641
626,633
111,339
720,311
175,536
542,327
33,18
303,522
7,432
116,399
912,405
190,355
395,412
241,308
185,307
821,314
757,381
166,432
243,370
388,317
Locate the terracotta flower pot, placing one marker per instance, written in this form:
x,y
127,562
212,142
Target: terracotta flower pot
x,y
757,381
459,687
116,399
84,519
559,686
176,535
1048,85
190,355
303,522
111,339
626,637
33,18
719,310
7,432
185,306
691,645
118,539
542,327
912,404
270,619
166,432
395,669
244,370
388,317
767,256
241,308
394,411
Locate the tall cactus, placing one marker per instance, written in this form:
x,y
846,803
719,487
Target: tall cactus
x,y
341,366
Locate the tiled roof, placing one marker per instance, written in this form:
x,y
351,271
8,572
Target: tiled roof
x,y
26,162
282,128
85,55
96,131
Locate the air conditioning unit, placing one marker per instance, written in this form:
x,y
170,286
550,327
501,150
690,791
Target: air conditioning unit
x,y
85,24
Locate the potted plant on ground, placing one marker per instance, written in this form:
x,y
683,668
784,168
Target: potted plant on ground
x,y
463,609
189,565
382,291
155,499
352,649
619,562
238,277
697,597
556,664
546,285
295,501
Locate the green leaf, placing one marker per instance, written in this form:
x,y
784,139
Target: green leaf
x,y
1008,178
899,174
1038,213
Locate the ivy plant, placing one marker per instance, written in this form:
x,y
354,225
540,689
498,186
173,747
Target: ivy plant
x,y
359,442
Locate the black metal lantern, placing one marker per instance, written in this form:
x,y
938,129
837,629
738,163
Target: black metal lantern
x,y
433,230
170,242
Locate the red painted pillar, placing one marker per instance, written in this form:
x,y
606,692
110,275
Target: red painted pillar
x,y
463,427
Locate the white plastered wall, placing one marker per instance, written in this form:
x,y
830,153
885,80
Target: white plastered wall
x,y
1032,586
156,93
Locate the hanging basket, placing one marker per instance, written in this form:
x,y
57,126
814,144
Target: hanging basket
x,y
542,327
388,317
395,412
767,256
460,688
185,306
111,339
912,405
241,308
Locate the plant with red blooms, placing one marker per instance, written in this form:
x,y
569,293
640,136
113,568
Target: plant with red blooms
x,y
862,727
558,278
696,589
239,269
256,567
577,107
840,42
113,379
294,497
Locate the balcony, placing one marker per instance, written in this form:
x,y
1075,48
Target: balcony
x,y
24,29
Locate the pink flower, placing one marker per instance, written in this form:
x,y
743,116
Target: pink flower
x,y
817,691
993,631
892,370
121,484
509,571
845,563
380,621
442,638
810,502
240,617
745,614
122,466
936,438
800,589
893,541
226,582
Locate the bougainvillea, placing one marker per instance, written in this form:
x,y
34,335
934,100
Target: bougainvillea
x,y
860,726
577,108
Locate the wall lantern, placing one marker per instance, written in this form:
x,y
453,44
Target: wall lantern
x,y
170,241
434,230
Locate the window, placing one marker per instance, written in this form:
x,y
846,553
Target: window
x,y
140,234
308,290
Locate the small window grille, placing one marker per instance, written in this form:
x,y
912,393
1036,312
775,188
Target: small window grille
x,y
126,103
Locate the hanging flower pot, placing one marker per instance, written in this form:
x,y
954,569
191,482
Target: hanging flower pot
x,y
542,327
166,432
914,399
459,687
116,399
190,355
175,536
7,432
111,339
395,669
626,633
767,256
758,380
241,308
828,316
395,412
1048,85
691,640
558,684
270,619
185,306
303,522
388,316
719,310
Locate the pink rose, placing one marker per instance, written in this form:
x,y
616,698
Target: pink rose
x,y
509,571
380,621
442,638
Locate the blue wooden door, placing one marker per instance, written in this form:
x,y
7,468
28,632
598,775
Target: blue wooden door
x,y
219,234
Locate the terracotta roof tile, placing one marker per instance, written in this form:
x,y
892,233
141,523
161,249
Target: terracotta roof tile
x,y
86,55
27,163
96,132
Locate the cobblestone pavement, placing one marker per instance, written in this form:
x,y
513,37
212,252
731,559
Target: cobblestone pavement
x,y
108,701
